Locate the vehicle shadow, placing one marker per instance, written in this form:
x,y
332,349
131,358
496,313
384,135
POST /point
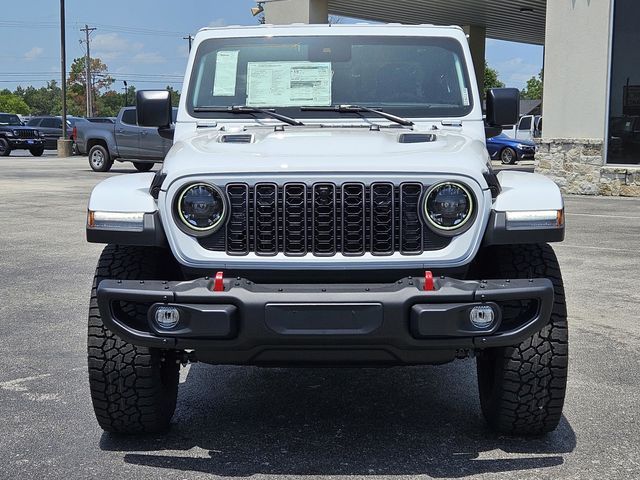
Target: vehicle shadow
x,y
397,421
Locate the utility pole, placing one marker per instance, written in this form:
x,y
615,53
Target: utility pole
x,y
190,39
87,60
64,145
126,93
63,64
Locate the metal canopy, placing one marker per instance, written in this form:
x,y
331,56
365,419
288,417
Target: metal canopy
x,y
510,20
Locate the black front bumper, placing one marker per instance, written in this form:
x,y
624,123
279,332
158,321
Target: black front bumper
x,y
25,143
398,323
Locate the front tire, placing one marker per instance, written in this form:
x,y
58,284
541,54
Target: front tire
x,y
133,389
5,148
99,159
37,152
143,166
522,387
508,156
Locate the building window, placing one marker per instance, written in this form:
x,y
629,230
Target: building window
x,y
624,97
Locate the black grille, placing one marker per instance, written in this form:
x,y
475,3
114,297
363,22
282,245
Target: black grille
x,y
324,219
26,133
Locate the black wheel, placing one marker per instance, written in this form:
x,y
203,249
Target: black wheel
x,y
99,159
522,387
508,156
133,389
5,148
143,166
37,152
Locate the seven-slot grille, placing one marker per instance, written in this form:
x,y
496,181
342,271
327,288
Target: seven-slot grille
x,y
324,219
26,133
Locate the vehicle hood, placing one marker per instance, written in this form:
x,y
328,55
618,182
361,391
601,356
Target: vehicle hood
x,y
505,140
326,151
16,127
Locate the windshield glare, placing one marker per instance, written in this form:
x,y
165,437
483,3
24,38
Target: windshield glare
x,y
407,76
13,120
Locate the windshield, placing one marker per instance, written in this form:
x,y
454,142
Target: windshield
x,y
6,119
406,76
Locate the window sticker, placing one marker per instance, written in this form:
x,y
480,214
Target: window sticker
x,y
286,84
465,97
224,83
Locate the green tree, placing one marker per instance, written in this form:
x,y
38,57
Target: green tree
x,y
175,96
534,88
10,103
109,103
491,79
45,100
76,85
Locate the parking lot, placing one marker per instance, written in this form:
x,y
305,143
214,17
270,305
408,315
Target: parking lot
x,y
276,423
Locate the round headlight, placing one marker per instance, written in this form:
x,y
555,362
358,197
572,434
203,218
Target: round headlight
x,y
202,208
448,207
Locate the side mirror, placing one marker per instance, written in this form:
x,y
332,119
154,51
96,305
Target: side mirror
x,y
153,108
503,106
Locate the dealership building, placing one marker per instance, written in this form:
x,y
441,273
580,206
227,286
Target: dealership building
x,y
591,130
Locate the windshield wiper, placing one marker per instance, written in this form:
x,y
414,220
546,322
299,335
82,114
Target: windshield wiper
x,y
358,109
238,109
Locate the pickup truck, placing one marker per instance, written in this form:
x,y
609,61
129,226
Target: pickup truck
x,y
529,127
123,140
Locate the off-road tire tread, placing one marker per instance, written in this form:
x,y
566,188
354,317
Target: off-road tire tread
x,y
530,378
133,389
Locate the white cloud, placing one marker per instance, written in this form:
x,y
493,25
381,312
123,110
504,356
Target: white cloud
x,y
183,50
148,58
515,72
34,53
108,46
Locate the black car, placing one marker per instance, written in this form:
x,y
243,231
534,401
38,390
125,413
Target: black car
x,y
15,136
51,128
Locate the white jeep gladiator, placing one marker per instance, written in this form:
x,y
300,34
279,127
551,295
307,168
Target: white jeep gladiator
x,y
328,200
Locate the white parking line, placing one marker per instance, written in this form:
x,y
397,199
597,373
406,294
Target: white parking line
x,y
626,217
592,248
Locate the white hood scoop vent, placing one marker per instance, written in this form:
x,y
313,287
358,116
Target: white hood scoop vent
x,y
417,138
237,138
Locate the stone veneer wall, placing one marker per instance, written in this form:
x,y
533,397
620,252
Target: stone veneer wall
x,y
577,166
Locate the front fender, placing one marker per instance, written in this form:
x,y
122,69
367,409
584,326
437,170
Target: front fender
x,y
524,192
126,194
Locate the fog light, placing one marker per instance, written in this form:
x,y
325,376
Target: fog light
x,y
482,316
167,317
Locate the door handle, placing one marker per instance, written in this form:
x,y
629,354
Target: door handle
x,y
120,130
143,132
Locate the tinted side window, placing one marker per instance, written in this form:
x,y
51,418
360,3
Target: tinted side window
x,y
50,123
129,117
34,122
525,123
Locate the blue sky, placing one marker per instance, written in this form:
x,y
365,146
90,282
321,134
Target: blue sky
x,y
141,40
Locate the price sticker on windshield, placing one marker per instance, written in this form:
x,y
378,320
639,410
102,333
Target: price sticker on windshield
x,y
224,83
288,84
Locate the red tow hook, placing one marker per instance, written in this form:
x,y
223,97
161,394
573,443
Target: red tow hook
x,y
218,282
428,282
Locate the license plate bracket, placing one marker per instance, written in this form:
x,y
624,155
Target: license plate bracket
x,y
324,318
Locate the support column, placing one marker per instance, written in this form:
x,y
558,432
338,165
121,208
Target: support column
x,y
477,43
297,11
576,66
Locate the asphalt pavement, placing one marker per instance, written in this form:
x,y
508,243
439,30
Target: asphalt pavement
x,y
293,423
